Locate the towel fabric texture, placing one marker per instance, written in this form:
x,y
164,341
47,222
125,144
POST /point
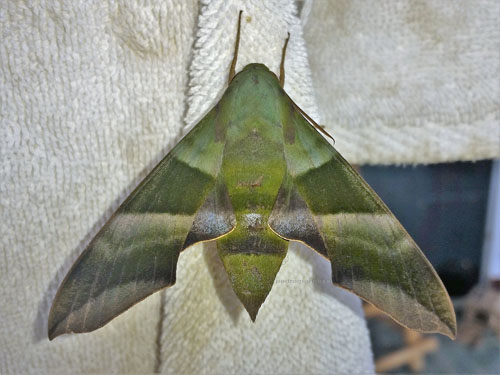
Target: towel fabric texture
x,y
94,93
407,82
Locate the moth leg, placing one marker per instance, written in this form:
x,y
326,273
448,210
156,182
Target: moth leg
x,y
236,45
282,65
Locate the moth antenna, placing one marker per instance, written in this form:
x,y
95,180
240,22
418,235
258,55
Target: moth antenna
x,y
282,65
236,45
282,83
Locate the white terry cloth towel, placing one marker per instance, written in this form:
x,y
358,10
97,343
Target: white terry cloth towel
x,y
92,95
306,325
407,81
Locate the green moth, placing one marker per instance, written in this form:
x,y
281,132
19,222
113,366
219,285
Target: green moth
x,y
252,175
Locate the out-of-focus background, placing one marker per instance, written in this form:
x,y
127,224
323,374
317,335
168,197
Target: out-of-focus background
x,y
452,211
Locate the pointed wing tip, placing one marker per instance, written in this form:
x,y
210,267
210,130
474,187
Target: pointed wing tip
x,y
443,329
60,327
447,320
451,335
445,324
53,331
446,329
52,327
56,324
450,331
58,330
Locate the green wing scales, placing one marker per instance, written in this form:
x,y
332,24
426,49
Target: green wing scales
x,y
135,254
255,165
327,205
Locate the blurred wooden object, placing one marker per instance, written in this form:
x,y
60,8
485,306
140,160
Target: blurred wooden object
x,y
412,353
481,311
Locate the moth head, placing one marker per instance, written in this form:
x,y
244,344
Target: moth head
x,y
256,73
